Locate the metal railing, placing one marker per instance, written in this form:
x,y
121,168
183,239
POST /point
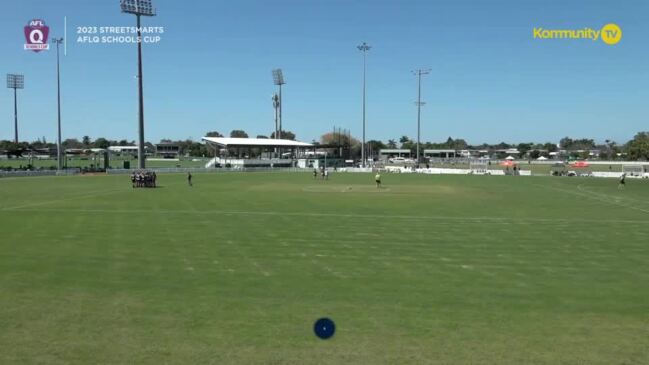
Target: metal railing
x,y
176,170
26,173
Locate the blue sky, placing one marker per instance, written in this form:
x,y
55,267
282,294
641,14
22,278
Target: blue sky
x,y
490,80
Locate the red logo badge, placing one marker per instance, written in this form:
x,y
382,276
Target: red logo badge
x,y
36,33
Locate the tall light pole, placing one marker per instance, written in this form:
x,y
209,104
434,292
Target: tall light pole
x,y
364,47
15,81
278,79
276,104
419,104
139,8
59,154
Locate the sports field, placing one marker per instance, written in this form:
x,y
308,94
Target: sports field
x,y
236,269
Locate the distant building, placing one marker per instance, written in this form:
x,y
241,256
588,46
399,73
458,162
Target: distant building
x,y
124,150
440,153
388,153
167,150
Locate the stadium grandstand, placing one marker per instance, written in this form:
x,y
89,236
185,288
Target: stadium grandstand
x,y
257,152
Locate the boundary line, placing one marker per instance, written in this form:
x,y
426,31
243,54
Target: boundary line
x,y
503,220
589,195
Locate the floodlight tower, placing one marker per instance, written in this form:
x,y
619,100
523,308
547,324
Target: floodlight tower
x,y
15,81
278,79
364,47
276,105
419,104
139,8
59,155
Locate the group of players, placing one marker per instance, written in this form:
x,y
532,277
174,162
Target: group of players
x,y
324,174
144,179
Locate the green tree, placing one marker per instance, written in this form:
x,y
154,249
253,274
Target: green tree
x,y
449,142
409,145
285,135
523,148
198,150
13,149
86,141
550,147
101,143
335,139
566,142
238,133
213,134
71,143
375,145
611,150
459,144
638,147
534,154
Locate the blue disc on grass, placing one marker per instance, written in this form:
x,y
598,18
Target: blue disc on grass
x,y
324,328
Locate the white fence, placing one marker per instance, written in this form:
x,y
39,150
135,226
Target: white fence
x,y
618,174
243,162
355,169
178,170
446,171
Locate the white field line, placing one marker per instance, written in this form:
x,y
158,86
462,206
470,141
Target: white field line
x,y
256,264
611,198
334,273
346,189
73,197
585,194
247,258
492,220
64,199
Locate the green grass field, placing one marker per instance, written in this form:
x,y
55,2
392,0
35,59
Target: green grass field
x,y
427,270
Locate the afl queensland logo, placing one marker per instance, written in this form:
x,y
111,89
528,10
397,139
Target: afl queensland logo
x,y
36,33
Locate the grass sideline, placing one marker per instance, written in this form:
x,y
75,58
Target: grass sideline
x,y
436,269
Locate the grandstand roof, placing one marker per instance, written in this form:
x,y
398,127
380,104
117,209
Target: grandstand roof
x,y
123,148
257,142
393,150
439,151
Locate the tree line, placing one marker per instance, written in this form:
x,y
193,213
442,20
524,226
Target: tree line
x,y
634,149
187,146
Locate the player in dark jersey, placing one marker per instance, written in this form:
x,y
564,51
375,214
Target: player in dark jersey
x,y
622,182
189,179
